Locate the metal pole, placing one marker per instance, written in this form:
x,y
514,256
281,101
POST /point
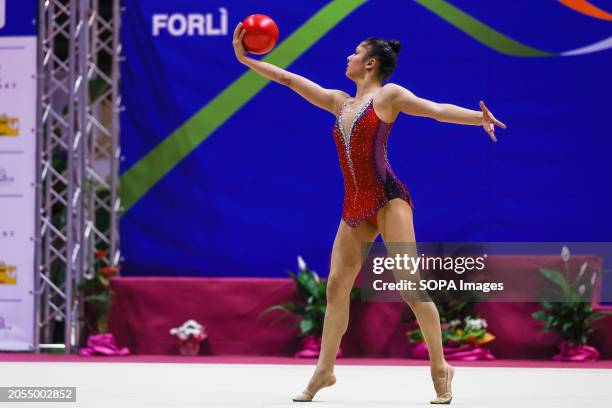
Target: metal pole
x,y
71,210
69,123
115,132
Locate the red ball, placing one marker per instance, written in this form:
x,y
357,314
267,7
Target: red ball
x,y
261,33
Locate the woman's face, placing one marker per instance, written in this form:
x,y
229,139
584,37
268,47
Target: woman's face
x,y
357,64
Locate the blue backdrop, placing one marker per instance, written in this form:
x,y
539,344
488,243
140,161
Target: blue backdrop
x,y
266,186
17,18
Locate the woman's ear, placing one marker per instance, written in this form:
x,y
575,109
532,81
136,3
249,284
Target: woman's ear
x,y
371,63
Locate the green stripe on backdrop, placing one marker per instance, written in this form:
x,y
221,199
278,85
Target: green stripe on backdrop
x,y
480,31
144,174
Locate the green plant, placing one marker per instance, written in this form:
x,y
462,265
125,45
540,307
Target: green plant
x,y
310,311
96,294
573,316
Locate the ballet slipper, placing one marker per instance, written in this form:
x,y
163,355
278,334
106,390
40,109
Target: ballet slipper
x,y
446,396
307,395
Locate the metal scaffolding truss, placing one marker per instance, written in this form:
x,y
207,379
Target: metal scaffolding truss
x,y
78,153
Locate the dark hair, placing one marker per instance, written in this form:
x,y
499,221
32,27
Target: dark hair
x,y
386,54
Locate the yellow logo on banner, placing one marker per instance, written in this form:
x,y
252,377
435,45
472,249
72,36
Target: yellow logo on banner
x,y
9,126
8,274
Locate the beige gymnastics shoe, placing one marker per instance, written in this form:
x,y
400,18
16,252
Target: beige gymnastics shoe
x,y
307,395
446,396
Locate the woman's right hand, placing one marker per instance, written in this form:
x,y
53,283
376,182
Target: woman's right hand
x,y
239,49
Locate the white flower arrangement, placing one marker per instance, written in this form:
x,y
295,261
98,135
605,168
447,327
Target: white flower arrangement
x,y
475,324
191,329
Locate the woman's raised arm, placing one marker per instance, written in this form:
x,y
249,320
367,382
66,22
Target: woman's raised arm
x,y
328,99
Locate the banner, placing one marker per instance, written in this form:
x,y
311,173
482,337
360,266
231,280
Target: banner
x,y
226,174
17,174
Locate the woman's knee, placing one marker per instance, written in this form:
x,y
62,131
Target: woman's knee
x,y
338,287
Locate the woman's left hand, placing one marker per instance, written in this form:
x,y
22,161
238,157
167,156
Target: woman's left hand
x,y
489,122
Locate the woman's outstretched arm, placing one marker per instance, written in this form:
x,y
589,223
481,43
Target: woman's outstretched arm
x,y
328,99
402,100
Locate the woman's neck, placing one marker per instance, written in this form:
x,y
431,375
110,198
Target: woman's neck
x,y
366,88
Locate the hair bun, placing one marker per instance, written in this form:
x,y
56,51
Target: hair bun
x,y
395,45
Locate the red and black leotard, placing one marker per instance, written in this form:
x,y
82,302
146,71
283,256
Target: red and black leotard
x,y
369,181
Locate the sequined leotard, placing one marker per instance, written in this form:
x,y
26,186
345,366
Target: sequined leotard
x,y
369,181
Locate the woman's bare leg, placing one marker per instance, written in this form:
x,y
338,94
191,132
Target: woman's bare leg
x,y
396,226
345,265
